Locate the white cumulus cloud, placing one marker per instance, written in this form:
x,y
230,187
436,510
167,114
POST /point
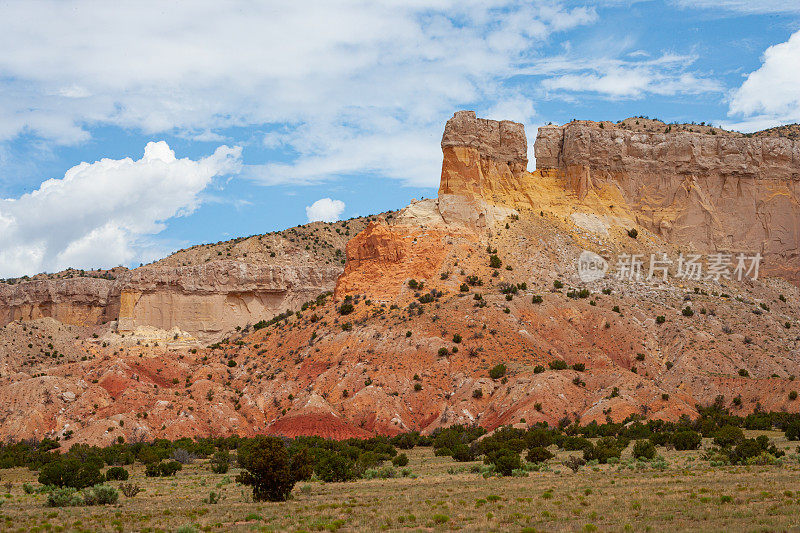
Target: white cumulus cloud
x,y
347,86
100,214
770,96
325,210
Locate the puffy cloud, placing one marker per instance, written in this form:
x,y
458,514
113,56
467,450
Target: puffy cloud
x,y
325,210
374,73
101,213
771,95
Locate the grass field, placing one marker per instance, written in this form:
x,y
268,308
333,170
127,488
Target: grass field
x,y
687,494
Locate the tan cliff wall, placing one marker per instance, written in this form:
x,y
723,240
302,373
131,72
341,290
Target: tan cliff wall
x,y
204,300
78,301
483,166
703,192
215,297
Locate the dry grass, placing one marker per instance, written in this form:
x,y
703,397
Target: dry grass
x,y
687,495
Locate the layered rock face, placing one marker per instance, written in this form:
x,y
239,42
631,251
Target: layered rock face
x,y
79,301
703,192
483,166
203,300
215,297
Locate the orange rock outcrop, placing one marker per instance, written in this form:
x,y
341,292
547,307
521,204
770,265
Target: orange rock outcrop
x,y
382,258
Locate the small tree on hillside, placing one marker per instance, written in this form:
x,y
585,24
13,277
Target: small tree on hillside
x,y
267,468
220,461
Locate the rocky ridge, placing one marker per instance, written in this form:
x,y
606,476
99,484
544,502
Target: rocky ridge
x,y
691,189
205,290
429,301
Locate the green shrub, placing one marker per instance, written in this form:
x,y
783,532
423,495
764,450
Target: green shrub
x,y
220,461
505,461
69,497
64,497
660,319
603,450
793,395
332,466
400,460
793,430
100,495
494,261
538,369
346,308
644,449
558,284
537,299
165,469
443,352
558,364
302,464
686,440
70,472
687,311
386,472
571,443
755,451
462,453
633,233
538,454
498,371
728,436
116,473
538,437
267,468
579,367
744,373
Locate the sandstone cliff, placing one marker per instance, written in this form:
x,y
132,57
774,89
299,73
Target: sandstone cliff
x,y
484,162
205,290
704,192
79,301
215,297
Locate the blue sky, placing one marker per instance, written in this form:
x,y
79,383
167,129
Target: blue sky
x,y
254,112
